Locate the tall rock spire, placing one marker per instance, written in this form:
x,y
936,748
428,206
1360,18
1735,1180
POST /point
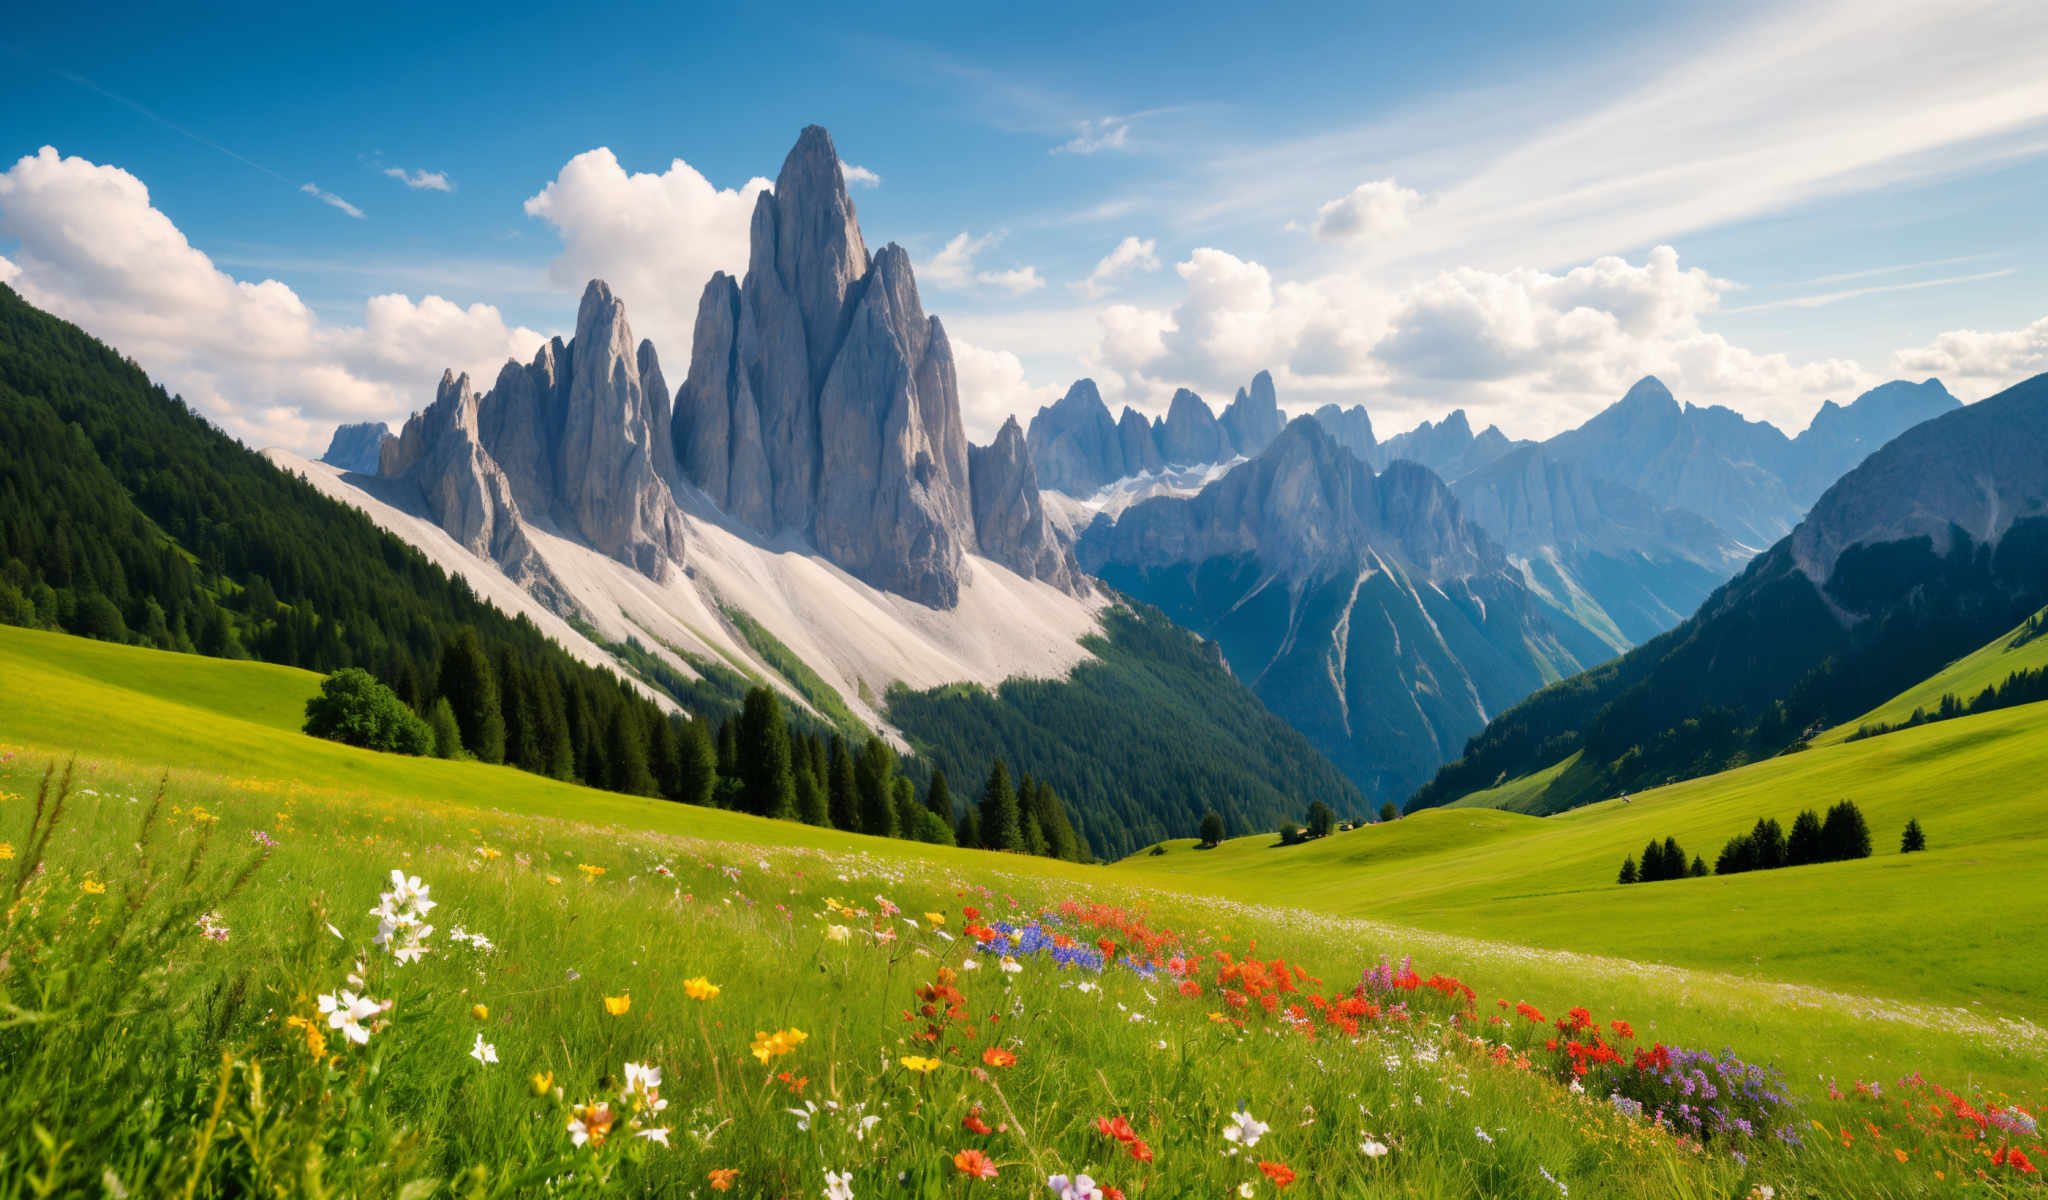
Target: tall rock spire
x,y
822,401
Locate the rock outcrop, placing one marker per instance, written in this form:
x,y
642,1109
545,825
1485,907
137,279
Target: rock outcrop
x,y
1076,446
822,402
1139,445
1253,419
1841,436
577,439
1010,518
1449,447
1191,434
357,447
1352,428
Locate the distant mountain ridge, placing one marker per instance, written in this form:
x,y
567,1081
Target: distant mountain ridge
x,y
357,447
1079,450
1932,546
1365,609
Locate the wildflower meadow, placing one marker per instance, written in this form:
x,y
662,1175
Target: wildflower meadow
x,y
209,988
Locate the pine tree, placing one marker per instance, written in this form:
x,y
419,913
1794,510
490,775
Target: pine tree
x,y
1212,829
873,778
939,798
908,811
1804,844
1845,835
1699,867
1388,812
1027,818
1737,856
1322,820
447,734
812,805
1628,871
466,681
767,789
1061,839
625,747
842,798
1915,840
1767,838
1002,828
968,832
1674,859
697,763
1653,863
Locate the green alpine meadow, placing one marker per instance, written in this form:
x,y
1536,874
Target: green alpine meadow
x,y
1308,602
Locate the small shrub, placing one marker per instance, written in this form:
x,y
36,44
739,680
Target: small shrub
x,y
355,709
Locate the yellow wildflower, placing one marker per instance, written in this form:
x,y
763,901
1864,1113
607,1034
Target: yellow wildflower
x,y
316,1041
92,887
555,880
592,872
6,851
700,988
777,1044
923,1066
617,1005
480,1012
542,1083
935,918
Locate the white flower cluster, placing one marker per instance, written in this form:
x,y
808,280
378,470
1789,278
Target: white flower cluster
x,y
401,918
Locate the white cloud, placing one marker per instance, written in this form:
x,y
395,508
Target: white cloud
x,y
1533,350
1378,209
1976,364
992,388
1103,133
1131,255
857,176
329,198
421,180
1823,299
7,270
655,238
953,268
252,356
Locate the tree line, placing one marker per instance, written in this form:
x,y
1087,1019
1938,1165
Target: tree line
x,y
2024,686
1842,835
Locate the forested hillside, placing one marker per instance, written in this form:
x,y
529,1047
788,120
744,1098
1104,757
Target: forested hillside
x,y
1140,742
125,516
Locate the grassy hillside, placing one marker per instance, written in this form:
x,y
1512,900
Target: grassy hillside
x,y
2023,649
587,897
1883,925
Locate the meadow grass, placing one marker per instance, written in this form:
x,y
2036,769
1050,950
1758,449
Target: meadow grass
x,y
143,1052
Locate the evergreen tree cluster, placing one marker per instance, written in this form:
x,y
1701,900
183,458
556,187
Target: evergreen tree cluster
x,y
1140,741
1027,819
1841,835
125,516
1661,860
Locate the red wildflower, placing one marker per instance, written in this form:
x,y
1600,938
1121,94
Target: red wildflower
x,y
975,1164
1189,987
973,1123
1279,1173
996,1056
1117,1128
1143,1153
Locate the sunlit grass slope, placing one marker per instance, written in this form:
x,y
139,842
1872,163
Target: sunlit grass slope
x,y
1931,951
1927,926
1963,679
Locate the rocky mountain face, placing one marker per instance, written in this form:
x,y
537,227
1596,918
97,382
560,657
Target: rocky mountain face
x,y
1009,517
1079,450
1839,437
1598,553
1934,545
1368,611
1449,447
1352,427
1707,460
822,401
357,447
577,440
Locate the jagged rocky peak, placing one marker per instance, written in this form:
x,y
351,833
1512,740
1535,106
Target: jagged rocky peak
x,y
1191,434
1074,443
1009,516
1352,427
1140,447
1254,419
576,439
822,401
357,447
1303,507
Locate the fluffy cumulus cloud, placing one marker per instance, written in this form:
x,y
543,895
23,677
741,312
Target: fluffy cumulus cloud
x,y
858,176
656,239
993,388
1377,209
1535,351
953,268
93,250
1971,363
1130,256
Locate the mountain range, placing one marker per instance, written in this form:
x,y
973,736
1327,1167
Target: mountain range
x,y
1931,546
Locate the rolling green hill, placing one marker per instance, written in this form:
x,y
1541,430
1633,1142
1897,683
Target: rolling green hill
x,y
2023,649
1794,959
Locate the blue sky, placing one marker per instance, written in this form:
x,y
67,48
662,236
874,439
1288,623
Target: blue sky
x,y
1410,207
